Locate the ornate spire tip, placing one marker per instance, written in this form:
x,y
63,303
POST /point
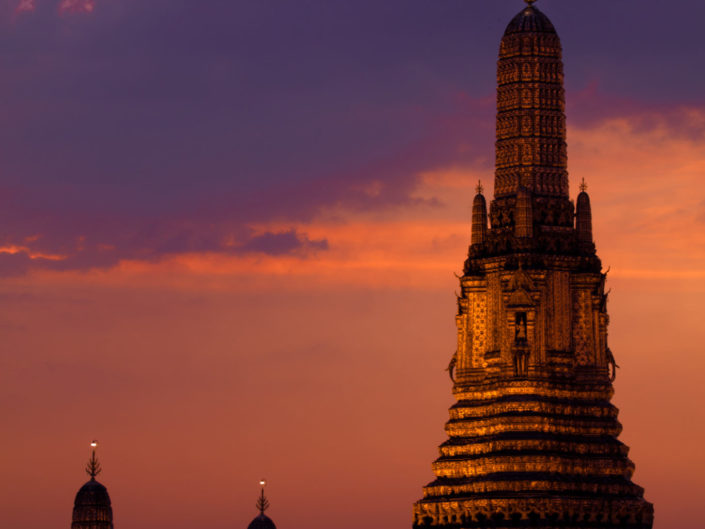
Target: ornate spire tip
x,y
530,2
93,467
262,501
583,186
479,187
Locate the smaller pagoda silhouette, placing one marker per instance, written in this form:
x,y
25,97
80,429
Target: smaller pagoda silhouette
x,y
262,521
91,508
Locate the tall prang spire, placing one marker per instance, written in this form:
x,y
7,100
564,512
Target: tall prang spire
x,y
531,131
531,210
533,436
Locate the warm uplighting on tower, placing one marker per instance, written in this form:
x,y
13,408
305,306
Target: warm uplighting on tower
x,y
533,434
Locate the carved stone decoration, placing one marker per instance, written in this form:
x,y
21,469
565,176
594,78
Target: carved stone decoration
x,y
533,436
582,327
479,327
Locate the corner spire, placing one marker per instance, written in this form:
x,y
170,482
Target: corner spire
x,y
583,218
479,217
262,501
93,467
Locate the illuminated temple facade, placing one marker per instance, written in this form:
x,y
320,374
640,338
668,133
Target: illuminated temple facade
x,y
533,437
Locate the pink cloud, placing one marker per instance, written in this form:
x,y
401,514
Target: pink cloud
x,y
26,6
76,6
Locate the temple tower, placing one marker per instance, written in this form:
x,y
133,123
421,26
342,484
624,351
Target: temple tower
x,y
92,509
532,439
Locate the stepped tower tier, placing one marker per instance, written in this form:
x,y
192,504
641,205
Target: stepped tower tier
x,y
533,437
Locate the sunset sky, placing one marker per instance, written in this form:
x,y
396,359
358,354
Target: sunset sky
x,y
229,231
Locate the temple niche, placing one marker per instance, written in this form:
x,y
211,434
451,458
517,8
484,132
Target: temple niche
x,y
533,437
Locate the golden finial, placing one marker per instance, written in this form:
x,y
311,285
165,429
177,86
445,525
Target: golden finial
x,y
262,501
93,467
583,186
479,187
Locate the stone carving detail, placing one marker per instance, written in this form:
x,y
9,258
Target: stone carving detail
x,y
494,296
584,512
479,328
462,351
582,327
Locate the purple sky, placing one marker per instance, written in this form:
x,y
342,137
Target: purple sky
x,y
165,126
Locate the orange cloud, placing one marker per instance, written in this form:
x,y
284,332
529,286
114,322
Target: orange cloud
x,y
646,191
645,187
13,250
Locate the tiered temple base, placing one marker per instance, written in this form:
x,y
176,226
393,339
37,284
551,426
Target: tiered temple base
x,y
528,453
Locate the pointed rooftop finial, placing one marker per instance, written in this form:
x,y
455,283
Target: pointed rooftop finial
x,y
93,467
583,186
530,2
262,501
479,187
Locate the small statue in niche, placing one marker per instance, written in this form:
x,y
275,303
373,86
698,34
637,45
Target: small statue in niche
x,y
451,366
521,351
521,362
613,365
520,335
